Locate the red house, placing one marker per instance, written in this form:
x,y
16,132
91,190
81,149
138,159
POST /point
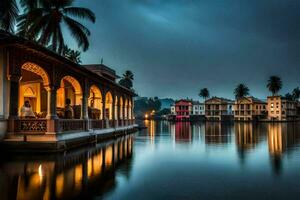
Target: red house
x,y
183,109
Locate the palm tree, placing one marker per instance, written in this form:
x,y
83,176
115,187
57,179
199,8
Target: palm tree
x,y
127,79
274,84
8,14
296,93
44,20
241,91
71,54
204,93
289,96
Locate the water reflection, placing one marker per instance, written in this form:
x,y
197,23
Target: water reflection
x,y
281,138
170,161
78,174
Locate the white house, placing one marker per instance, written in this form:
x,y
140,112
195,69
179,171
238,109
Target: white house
x,y
198,108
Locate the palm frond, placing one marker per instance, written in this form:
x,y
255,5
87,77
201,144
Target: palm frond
x,y
83,13
79,32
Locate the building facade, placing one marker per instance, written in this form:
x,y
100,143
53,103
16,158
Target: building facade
x,y
198,108
53,85
249,109
183,110
218,109
281,109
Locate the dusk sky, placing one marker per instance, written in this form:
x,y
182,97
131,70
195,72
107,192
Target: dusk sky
x,y
176,47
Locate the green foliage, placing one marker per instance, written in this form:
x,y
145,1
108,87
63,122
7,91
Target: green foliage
x,y
71,54
241,91
146,105
127,79
164,111
296,93
43,20
289,96
8,14
274,84
204,93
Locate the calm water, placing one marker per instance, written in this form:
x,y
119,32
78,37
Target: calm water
x,y
167,161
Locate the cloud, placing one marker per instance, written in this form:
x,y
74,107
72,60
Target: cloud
x,y
175,47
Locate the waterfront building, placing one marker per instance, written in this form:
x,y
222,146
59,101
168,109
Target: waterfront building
x,y
219,109
64,97
249,109
198,108
198,111
182,110
281,109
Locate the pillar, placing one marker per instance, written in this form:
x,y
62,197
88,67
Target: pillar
x,y
51,103
14,97
84,103
118,112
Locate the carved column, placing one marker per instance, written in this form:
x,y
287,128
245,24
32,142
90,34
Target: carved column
x,y
84,105
14,96
118,112
51,104
103,110
123,113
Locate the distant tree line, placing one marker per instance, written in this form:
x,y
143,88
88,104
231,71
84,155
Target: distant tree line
x,y
146,106
274,85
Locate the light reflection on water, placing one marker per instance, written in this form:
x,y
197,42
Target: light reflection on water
x,y
167,161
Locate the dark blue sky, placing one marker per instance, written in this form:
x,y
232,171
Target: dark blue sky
x,y
176,47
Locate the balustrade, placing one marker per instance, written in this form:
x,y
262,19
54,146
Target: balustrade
x,y
33,126
39,126
72,125
97,124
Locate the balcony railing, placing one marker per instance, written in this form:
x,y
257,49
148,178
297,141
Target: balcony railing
x,y
32,126
39,126
72,125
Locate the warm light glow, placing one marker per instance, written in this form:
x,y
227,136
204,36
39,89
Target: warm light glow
x,y
40,172
59,185
146,116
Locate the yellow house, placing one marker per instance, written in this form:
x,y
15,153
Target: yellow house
x,y
249,109
218,109
281,109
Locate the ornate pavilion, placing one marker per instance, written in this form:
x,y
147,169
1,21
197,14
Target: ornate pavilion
x,y
34,74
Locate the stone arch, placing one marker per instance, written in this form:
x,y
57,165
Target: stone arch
x,y
34,68
108,105
33,87
74,82
95,102
70,88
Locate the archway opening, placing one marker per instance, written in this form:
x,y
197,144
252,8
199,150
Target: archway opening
x,y
129,110
32,90
126,109
69,98
95,103
116,108
121,108
108,106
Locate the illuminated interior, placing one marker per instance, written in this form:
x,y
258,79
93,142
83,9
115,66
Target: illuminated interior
x,y
95,102
69,89
129,110
108,105
126,109
116,108
32,88
121,108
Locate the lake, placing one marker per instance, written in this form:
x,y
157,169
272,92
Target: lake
x,y
166,161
